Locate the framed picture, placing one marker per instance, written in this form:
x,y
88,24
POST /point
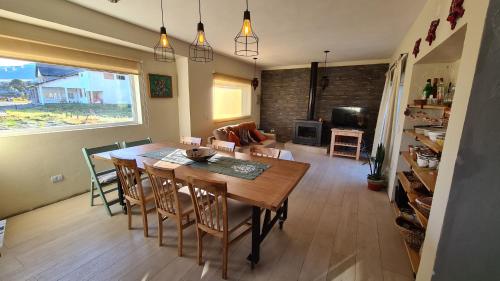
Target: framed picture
x,y
160,86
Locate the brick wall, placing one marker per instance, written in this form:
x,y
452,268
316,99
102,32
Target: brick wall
x,y
285,95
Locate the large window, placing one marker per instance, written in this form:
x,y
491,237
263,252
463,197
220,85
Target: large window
x,y
231,99
38,96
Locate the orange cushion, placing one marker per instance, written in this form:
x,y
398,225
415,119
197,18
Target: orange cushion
x,y
248,125
232,137
258,135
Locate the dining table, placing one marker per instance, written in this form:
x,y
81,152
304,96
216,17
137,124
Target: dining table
x,y
268,193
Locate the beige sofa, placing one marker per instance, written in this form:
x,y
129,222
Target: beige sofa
x,y
222,134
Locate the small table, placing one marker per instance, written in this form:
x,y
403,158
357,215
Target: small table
x,y
355,137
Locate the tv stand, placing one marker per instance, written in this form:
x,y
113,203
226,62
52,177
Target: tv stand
x,y
349,140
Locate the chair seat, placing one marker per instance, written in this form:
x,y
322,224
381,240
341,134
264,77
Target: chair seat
x,y
237,213
186,203
147,189
108,178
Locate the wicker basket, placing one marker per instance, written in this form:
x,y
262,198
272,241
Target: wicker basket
x,y
424,205
412,233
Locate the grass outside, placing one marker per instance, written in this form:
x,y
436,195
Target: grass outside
x,y
52,115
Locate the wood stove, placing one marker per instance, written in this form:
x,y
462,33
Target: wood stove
x,y
308,132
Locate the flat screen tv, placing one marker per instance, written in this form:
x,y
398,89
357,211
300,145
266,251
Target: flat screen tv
x,y
349,117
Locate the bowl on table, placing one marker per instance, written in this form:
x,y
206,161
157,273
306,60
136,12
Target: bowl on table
x,y
199,154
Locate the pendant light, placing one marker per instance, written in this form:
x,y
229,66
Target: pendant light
x,y
200,50
324,80
255,80
163,51
246,42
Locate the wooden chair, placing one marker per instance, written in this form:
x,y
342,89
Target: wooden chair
x,y
217,215
170,202
191,141
265,151
137,191
223,145
105,181
126,144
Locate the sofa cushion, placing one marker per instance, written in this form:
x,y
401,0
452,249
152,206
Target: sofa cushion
x,y
258,135
248,125
232,137
221,134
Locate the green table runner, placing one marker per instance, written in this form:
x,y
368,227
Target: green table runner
x,y
218,164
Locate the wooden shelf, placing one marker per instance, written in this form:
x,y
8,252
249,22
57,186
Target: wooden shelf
x,y
346,144
427,176
425,141
420,216
414,257
429,106
344,153
410,192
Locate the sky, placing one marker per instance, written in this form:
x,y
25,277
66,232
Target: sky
x,y
12,62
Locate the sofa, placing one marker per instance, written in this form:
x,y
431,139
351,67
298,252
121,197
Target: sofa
x,y
251,136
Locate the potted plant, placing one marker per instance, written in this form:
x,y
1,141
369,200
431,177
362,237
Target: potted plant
x,y
376,181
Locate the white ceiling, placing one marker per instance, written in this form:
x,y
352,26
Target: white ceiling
x,y
291,32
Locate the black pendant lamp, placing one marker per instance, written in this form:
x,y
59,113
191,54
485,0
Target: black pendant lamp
x,y
324,82
255,80
246,42
163,51
200,50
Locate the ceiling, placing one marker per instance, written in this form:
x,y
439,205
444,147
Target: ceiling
x,y
291,32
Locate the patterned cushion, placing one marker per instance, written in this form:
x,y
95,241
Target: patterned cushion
x,y
108,178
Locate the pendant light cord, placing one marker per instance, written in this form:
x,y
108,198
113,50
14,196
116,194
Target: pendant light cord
x,y
161,5
199,9
247,5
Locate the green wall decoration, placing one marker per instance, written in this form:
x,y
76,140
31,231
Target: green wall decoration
x,y
160,86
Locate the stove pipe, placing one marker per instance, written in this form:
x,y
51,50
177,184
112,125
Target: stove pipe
x,y
312,91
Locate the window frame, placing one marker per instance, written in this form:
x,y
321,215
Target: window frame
x,y
233,80
136,82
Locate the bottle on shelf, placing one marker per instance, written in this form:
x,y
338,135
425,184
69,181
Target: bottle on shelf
x,y
427,92
440,91
434,88
449,94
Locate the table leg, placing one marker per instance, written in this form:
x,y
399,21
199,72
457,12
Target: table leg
x,y
256,239
121,198
284,215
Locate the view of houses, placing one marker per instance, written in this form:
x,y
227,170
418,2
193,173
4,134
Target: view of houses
x,y
61,93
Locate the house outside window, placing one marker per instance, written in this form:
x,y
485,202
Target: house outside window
x,y
38,96
231,99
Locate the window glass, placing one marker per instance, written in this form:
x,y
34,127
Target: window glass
x,y
230,100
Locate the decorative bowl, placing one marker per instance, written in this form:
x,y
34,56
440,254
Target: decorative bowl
x,y
199,154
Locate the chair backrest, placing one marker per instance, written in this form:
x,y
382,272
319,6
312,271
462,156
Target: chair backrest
x,y
126,144
191,141
265,151
87,155
210,204
130,178
164,189
223,145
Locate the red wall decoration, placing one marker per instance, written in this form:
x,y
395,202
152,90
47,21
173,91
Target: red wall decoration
x,y
416,48
456,12
431,35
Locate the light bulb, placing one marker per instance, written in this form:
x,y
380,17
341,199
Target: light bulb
x,y
164,40
247,27
201,37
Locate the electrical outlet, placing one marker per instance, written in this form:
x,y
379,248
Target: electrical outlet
x,y
56,178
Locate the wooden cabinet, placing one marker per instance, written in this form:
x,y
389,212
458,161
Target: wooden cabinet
x,y
346,143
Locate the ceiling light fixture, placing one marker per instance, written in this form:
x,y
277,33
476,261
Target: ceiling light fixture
x,y
246,42
324,80
163,51
200,50
255,80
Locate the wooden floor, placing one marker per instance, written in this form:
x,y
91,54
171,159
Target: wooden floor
x,y
336,230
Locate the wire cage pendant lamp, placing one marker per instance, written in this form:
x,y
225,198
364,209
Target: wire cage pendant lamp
x,y
255,80
200,50
246,42
163,50
325,81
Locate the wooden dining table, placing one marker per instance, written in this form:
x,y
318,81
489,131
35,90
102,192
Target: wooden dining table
x,y
269,191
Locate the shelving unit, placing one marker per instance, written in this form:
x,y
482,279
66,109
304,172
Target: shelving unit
x,y
423,219
414,257
410,192
338,141
430,106
427,176
425,140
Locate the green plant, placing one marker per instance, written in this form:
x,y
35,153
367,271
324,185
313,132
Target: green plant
x,y
376,163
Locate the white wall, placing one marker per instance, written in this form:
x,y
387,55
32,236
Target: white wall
x,y
474,19
29,161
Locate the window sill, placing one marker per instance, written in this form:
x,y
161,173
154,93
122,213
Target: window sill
x,y
216,121
62,129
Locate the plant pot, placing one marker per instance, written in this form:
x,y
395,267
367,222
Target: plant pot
x,y
375,185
